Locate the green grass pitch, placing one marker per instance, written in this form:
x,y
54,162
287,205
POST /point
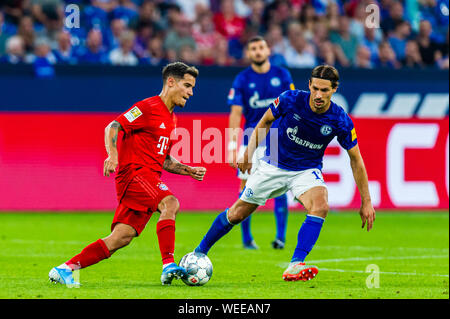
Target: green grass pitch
x,y
411,251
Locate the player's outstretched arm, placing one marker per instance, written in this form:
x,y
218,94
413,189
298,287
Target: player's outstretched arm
x,y
171,165
367,212
111,133
258,135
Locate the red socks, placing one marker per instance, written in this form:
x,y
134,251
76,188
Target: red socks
x,y
165,229
90,255
97,251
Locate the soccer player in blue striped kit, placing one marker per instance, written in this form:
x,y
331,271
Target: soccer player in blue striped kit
x,y
253,90
308,122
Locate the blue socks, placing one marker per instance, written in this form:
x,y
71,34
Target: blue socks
x,y
219,228
281,212
307,237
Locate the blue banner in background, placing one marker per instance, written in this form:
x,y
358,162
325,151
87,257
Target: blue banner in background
x,y
365,93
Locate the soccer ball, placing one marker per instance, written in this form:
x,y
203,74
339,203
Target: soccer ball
x,y
199,268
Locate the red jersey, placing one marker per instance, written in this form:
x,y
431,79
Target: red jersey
x,y
146,141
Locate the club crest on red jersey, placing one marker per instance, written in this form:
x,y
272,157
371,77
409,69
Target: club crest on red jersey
x,y
163,186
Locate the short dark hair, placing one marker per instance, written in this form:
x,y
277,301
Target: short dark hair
x,y
178,70
326,72
255,38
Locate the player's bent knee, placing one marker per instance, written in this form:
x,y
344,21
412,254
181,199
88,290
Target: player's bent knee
x,y
169,207
320,209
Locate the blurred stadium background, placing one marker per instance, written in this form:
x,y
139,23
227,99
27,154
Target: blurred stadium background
x,y
62,82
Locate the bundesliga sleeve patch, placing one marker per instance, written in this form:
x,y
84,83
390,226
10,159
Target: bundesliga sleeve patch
x,y
276,102
231,94
353,134
133,114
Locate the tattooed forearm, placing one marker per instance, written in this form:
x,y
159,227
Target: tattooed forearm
x,y
171,165
111,133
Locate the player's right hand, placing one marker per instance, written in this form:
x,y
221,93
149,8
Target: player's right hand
x,y
232,158
244,166
110,165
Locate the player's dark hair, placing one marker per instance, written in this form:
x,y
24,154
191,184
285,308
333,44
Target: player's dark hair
x,y
255,38
326,72
178,70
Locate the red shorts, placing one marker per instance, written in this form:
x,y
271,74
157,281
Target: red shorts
x,y
142,197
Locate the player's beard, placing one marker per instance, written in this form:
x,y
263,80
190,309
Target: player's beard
x,y
259,63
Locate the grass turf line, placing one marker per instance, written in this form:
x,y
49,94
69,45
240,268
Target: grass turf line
x,y
411,251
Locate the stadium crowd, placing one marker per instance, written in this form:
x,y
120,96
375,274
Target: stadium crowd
x,y
301,33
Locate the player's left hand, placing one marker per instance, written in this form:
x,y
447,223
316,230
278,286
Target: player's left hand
x,y
367,213
197,173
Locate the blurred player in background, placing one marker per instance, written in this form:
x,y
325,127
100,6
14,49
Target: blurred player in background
x,y
254,89
308,122
143,155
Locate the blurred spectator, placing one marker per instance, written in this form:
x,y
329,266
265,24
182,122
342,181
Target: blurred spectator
x,y
437,13
206,38
307,20
145,32
242,8
192,9
123,55
299,54
320,33
154,54
221,56
412,58
96,14
64,53
396,12
277,44
358,20
189,55
398,38
26,32
443,61
113,33
321,6
363,58
14,10
43,55
332,16
46,12
50,14
179,36
386,57
3,36
127,11
93,52
275,39
279,12
326,54
255,19
372,39
15,51
227,22
237,46
428,49
148,12
105,5
345,41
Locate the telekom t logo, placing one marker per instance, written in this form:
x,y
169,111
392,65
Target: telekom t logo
x,y
163,141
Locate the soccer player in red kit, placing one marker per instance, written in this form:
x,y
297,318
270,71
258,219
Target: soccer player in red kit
x,y
143,154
